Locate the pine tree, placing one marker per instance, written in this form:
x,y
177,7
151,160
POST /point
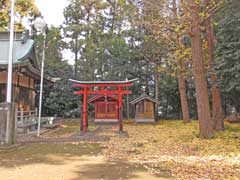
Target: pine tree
x,y
228,53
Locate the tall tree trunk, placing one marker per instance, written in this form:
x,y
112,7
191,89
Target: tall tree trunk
x,y
147,90
156,78
217,111
75,57
180,76
203,108
183,96
113,15
237,107
166,108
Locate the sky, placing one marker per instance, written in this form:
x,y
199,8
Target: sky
x,y
52,10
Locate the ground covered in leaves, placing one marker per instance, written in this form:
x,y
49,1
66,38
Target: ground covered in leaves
x,y
165,150
175,147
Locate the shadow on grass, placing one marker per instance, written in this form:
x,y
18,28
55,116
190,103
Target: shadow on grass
x,y
46,153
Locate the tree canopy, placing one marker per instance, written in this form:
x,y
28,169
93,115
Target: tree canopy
x,y
23,8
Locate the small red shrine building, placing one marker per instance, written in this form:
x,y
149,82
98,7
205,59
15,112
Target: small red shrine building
x,y
105,109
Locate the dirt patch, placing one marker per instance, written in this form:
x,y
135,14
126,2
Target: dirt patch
x,y
70,161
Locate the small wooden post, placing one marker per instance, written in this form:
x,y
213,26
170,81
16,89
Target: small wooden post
x,y
36,112
144,107
30,115
16,121
21,115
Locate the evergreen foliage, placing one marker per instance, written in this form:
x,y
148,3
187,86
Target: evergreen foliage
x,y
58,97
228,54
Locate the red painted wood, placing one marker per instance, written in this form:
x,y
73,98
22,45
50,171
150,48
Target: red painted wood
x,y
114,92
103,85
118,105
120,109
103,109
98,98
85,109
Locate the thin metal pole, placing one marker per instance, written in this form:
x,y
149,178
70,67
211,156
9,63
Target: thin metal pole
x,y
41,84
10,55
10,62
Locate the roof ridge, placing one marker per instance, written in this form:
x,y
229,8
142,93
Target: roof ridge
x,y
142,97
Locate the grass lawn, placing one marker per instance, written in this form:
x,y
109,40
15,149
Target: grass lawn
x,y
165,150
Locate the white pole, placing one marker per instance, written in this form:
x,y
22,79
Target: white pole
x,y
10,55
41,83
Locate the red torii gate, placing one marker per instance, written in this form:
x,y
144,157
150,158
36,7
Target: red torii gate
x,y
103,85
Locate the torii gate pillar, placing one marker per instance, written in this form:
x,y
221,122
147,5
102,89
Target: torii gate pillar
x,y
84,123
120,110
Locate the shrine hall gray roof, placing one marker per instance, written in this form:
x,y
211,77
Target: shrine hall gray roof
x,y
143,97
23,51
20,51
103,82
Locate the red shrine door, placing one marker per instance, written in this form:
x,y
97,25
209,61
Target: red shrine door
x,y
106,111
103,87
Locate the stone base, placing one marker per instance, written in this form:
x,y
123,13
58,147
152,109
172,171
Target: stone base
x,y
122,134
144,120
7,123
106,120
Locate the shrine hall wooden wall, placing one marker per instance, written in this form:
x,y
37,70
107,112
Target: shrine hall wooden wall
x,y
23,90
